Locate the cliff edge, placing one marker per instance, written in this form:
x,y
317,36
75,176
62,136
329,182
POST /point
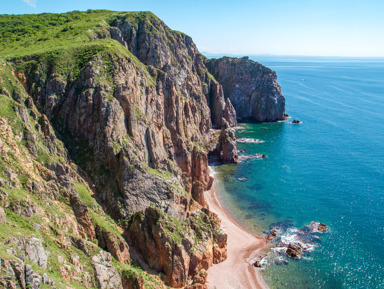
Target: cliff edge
x,y
251,87
106,122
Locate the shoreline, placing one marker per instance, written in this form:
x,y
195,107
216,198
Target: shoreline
x,y
242,247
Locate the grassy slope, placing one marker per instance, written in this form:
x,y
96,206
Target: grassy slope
x,y
66,42
22,35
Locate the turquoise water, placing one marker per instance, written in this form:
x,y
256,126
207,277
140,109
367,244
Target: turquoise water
x,y
329,169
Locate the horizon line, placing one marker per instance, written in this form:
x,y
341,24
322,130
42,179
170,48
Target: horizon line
x,y
285,55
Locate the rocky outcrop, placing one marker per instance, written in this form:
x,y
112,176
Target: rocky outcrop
x,y
106,144
226,146
294,251
86,229
105,273
178,248
118,247
252,88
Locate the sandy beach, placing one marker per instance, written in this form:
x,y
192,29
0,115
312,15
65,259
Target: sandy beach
x,y
236,272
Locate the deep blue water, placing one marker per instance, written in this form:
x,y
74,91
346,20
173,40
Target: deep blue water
x,y
330,169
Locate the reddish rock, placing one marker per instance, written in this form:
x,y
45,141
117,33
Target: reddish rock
x,y
293,251
83,218
269,238
115,245
227,146
322,227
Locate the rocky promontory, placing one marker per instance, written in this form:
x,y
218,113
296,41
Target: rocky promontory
x,y
251,87
106,122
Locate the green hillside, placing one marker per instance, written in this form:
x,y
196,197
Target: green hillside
x,y
22,35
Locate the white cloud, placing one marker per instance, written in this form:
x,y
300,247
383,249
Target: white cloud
x,y
31,3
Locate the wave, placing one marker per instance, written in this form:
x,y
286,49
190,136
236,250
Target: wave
x,y
305,240
249,140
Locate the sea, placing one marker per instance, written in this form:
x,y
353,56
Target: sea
x,y
329,169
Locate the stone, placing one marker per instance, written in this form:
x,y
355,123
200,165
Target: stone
x,y
318,227
295,121
33,249
269,238
294,251
322,227
107,276
257,264
32,279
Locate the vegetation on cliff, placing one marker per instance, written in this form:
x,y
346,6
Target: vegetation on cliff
x,y
92,131
105,126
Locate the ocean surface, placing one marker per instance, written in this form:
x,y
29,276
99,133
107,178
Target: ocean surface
x,y
328,169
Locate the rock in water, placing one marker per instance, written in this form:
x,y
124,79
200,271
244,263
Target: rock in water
x,y
318,227
293,251
227,146
252,88
295,121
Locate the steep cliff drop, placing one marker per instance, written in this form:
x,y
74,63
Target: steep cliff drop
x,y
106,120
252,88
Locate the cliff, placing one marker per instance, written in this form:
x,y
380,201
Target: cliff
x,y
251,87
105,127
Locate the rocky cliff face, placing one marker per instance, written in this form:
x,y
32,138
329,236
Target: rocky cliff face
x,y
252,88
104,146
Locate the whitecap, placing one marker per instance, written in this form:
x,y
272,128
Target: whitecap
x,y
249,140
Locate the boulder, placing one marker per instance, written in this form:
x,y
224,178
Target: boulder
x,y
293,251
274,232
269,238
322,227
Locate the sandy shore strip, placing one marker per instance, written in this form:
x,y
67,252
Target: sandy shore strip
x,y
236,272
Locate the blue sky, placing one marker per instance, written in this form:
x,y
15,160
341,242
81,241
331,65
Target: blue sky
x,y
278,27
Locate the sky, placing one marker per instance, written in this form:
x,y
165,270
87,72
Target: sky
x,y
351,28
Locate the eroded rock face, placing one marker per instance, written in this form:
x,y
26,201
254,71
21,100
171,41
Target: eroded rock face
x,y
135,133
33,249
106,275
178,248
226,146
252,88
80,209
113,244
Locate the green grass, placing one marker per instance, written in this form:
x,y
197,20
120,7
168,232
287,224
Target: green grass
x,y
35,33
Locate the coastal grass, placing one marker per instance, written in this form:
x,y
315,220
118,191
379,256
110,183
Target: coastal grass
x,y
35,33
